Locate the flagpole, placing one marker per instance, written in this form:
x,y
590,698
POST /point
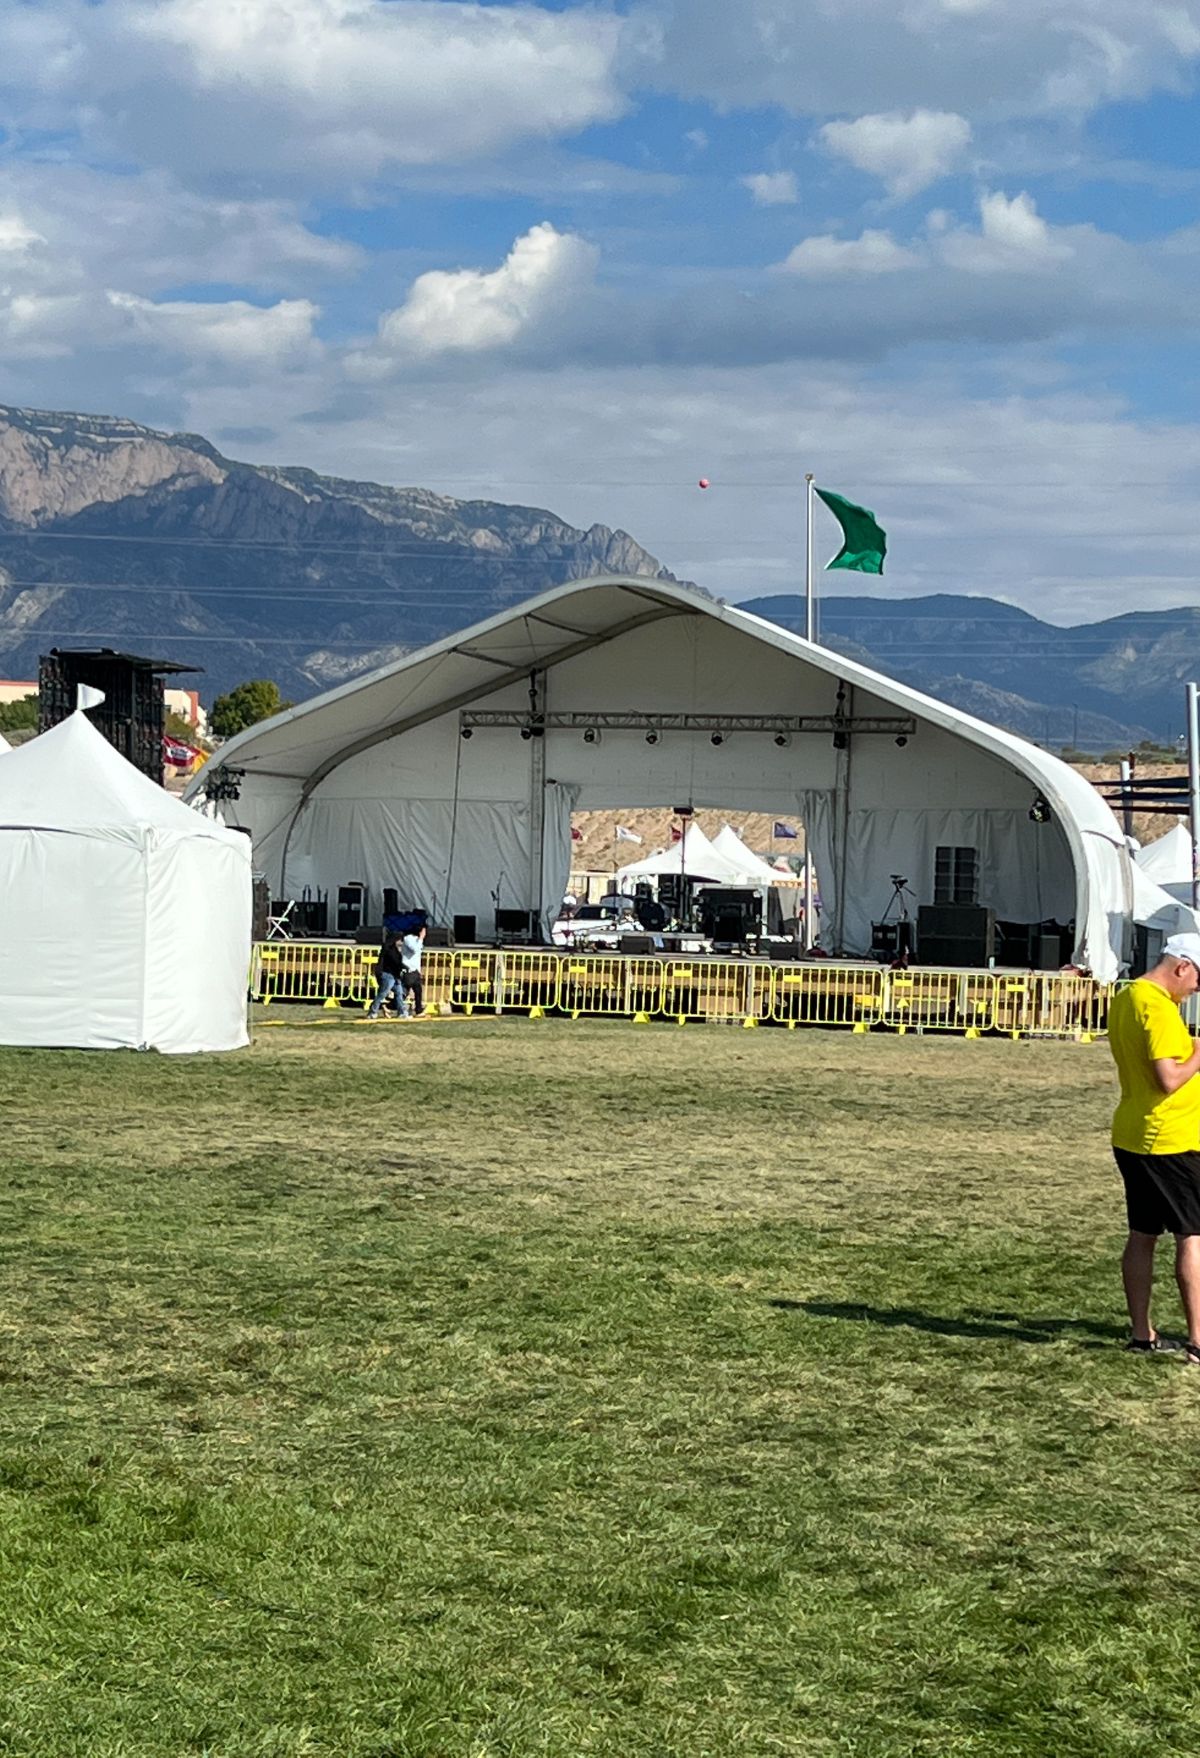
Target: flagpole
x,y
810,630
810,619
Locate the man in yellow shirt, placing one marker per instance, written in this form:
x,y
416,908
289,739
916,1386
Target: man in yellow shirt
x,y
1156,1135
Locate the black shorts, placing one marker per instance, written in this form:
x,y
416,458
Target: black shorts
x,y
1162,1191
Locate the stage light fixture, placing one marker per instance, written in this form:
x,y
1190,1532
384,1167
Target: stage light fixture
x,y
652,737
591,735
526,732
902,740
717,738
466,732
782,738
1040,809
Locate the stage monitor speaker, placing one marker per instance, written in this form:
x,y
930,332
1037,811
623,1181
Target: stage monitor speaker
x,y
1045,951
891,939
260,907
960,934
351,907
464,931
516,924
437,935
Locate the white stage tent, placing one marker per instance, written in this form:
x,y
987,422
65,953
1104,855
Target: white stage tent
x,y
126,920
417,776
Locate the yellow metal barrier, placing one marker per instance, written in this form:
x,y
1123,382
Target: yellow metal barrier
x,y
529,981
827,994
714,989
1051,1004
1023,1004
473,980
302,970
939,1001
437,970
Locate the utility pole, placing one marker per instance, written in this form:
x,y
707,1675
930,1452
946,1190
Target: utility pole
x,y
1193,735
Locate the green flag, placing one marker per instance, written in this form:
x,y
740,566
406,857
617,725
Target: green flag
x,y
864,542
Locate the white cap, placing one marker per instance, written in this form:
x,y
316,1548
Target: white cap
x,y
1183,946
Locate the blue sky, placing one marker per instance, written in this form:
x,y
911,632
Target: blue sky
x,y
943,253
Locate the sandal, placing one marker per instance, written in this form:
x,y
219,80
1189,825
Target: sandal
x,y
1191,1354
1159,1346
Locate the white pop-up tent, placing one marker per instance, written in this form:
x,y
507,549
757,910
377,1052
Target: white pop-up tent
x,y
4,744
125,917
694,856
1168,862
451,775
754,869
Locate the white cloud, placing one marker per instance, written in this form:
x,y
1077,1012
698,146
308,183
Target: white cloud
x,y
340,89
16,238
465,310
233,332
1023,58
772,188
1013,238
147,231
874,253
909,152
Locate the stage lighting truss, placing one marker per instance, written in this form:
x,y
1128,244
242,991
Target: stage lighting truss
x,y
781,728
224,784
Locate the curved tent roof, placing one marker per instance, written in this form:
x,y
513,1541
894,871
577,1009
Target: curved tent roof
x,y
313,776
4,744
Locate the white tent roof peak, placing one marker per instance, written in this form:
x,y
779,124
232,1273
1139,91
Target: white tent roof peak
x,y
704,861
1168,859
4,744
728,842
71,778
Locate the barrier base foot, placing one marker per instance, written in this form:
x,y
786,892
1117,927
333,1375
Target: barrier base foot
x,y
641,1019
972,1032
749,1025
860,1025
331,1002
537,1013
681,1019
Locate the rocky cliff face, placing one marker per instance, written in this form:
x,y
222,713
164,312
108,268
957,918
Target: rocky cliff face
x,y
114,535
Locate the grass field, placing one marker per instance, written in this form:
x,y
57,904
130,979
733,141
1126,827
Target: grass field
x,y
484,1389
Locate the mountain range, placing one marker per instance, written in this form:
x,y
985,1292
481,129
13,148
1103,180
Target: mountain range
x,y
113,534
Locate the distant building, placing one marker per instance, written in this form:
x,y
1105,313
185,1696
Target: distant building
x,y
186,703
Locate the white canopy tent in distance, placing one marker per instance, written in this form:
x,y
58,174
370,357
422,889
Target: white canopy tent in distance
x,y
126,919
451,775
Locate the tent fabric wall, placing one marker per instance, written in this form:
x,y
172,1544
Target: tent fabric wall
x,y
127,917
376,772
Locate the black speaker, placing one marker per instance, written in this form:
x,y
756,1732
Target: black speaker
x,y
436,935
516,925
956,934
391,901
464,931
351,906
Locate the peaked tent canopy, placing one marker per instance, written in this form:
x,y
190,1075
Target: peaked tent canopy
x,y
127,916
753,867
372,782
1168,859
703,861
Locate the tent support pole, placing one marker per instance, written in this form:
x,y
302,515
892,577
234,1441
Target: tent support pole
x,y
537,795
1193,739
841,811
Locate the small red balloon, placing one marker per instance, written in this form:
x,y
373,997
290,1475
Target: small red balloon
x,y
704,482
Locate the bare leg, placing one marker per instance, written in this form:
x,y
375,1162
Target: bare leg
x,y
1187,1274
1137,1273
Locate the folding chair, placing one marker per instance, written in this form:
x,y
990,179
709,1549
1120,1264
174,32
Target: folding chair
x,y
277,924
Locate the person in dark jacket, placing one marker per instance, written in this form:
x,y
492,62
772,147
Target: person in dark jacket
x,y
389,973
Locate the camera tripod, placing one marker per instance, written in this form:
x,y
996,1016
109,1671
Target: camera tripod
x,y
892,934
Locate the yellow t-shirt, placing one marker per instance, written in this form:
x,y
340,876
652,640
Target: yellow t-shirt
x,y
1144,1027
